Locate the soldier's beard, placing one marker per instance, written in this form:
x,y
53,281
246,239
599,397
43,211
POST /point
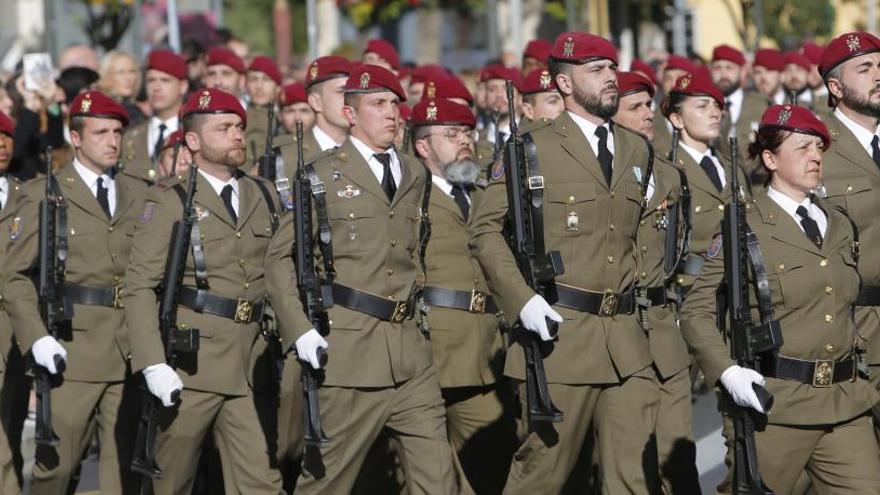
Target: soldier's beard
x,y
463,171
594,105
727,86
862,105
234,158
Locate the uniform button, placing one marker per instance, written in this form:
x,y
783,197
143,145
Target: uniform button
x,y
246,285
698,208
571,199
829,289
393,243
112,255
644,249
782,267
680,280
116,278
612,194
644,274
351,215
389,272
829,348
848,188
110,229
610,259
611,227
829,319
642,222
823,263
241,262
238,235
721,207
391,213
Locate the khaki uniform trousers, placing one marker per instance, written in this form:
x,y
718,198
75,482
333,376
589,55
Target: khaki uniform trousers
x,y
353,419
549,452
248,463
78,409
13,412
676,450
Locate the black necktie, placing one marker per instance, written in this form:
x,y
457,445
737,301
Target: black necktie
x,y
459,194
226,195
605,157
811,228
387,179
157,146
708,166
875,150
102,197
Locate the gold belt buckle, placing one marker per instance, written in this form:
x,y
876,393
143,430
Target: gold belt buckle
x,y
609,303
400,311
478,302
823,373
117,297
244,310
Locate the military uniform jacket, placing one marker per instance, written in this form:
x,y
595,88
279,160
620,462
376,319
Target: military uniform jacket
x,y
7,214
136,152
667,344
852,181
98,254
598,251
227,360
662,134
286,144
753,107
812,291
468,347
255,134
375,247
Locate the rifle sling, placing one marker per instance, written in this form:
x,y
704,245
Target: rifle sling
x,y
531,169
319,193
759,270
61,231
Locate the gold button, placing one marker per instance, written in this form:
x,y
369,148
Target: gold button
x,y
680,280
644,249
611,227
781,267
351,215
246,285
391,213
829,348
829,318
612,194
393,243
571,199
698,208
642,222
610,259
110,229
241,261
721,207
238,235
823,263
644,274
72,231
112,255
848,188
202,236
389,272
829,289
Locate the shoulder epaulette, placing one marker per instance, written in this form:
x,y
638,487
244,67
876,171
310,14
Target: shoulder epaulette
x,y
283,140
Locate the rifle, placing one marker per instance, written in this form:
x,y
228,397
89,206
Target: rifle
x,y
537,267
175,153
55,313
407,137
749,345
174,338
266,163
498,145
792,97
316,298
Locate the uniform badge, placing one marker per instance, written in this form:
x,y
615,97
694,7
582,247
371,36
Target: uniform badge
x,y
544,81
365,80
15,229
313,71
336,175
715,247
568,48
685,81
572,222
201,213
288,205
349,192
638,173
784,115
431,111
497,170
204,100
85,104
147,214
852,42
431,91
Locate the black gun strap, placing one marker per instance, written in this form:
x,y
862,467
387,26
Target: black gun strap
x,y
425,226
535,184
282,183
61,231
643,187
270,203
685,201
759,270
325,244
200,266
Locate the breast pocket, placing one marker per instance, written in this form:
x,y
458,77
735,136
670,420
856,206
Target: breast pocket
x,y
795,284
852,193
570,208
351,224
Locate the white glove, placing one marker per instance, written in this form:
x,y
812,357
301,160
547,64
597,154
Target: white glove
x,y
163,382
738,383
307,347
533,315
44,351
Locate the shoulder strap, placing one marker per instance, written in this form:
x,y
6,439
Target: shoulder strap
x,y
61,231
759,271
270,202
325,244
425,226
536,195
200,266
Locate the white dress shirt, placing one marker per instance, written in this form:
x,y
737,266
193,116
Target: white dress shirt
x,y
91,180
698,157
217,185
171,125
863,136
376,165
4,191
589,130
779,97
490,132
446,187
736,104
324,140
790,206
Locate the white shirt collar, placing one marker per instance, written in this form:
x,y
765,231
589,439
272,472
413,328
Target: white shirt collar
x,y
91,178
696,155
217,185
4,190
863,136
736,101
589,130
376,167
171,125
779,97
790,206
442,183
324,140
365,150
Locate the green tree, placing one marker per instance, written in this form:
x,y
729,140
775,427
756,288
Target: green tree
x,y
790,22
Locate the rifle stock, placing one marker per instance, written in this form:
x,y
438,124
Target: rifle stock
x,y
266,164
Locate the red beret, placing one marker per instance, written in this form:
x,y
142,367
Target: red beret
x,y
497,71
845,47
293,93
632,82
812,51
442,112
697,84
212,100
645,68
405,111
798,59
174,138
370,78
329,67
220,55
429,72
7,126
770,59
385,50
538,81
447,86
538,50
97,104
580,48
266,65
680,63
796,119
729,53
168,62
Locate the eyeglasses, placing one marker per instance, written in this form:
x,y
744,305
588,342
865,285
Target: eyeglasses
x,y
456,135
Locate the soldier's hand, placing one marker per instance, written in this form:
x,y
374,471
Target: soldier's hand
x,y
163,382
307,347
738,383
44,351
534,317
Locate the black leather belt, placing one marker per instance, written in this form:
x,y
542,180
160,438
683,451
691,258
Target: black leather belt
x,y
869,296
363,302
606,303
237,310
473,301
820,373
656,295
110,297
693,264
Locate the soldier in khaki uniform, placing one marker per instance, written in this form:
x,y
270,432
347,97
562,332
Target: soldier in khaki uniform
x,y
675,444
540,97
852,168
262,83
602,359
295,108
465,336
675,67
767,72
102,208
820,419
379,374
224,299
494,77
166,84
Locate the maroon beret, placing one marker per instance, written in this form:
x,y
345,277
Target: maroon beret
x,y
538,81
329,67
697,84
442,112
632,82
429,72
293,93
168,62
580,48
96,104
680,63
405,111
798,59
812,51
795,119
213,100
447,86
385,50
370,78
729,53
266,65
174,138
7,126
538,50
498,71
770,59
845,47
220,55
645,68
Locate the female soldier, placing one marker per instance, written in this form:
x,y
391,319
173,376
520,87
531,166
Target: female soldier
x,y
819,422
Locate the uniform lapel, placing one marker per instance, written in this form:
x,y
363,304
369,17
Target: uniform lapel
x,y
575,143
248,198
208,198
123,199
409,172
621,166
848,147
356,169
697,177
75,190
784,227
440,199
